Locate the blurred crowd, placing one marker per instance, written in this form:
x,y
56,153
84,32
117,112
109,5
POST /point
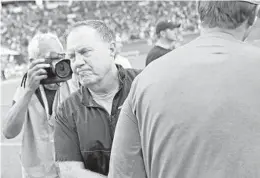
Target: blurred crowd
x,y
130,20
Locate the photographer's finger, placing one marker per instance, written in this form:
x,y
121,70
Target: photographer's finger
x,y
39,72
33,72
41,77
40,66
35,62
37,78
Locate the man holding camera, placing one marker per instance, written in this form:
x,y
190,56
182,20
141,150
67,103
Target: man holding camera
x,y
34,105
86,121
205,120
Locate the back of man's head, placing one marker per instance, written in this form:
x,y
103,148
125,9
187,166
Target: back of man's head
x,y
226,14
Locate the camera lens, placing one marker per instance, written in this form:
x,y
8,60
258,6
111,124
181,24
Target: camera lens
x,y
62,69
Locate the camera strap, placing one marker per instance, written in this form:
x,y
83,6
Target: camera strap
x,y
45,102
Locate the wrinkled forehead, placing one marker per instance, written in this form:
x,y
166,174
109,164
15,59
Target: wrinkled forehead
x,y
84,36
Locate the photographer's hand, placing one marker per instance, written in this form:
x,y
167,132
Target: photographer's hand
x,y
17,113
36,73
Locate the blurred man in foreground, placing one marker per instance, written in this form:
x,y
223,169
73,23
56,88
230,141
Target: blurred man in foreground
x,y
197,115
166,31
34,106
86,121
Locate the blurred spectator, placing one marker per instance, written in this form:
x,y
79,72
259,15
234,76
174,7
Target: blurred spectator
x,y
166,32
136,19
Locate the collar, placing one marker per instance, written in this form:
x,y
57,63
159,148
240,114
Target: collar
x,y
160,44
86,97
219,34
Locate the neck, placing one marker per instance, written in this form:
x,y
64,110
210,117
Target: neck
x,y
162,42
237,33
108,84
53,86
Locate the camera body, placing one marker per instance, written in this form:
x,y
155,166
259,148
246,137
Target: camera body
x,y
59,70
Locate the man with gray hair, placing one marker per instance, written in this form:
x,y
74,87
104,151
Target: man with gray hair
x,y
86,121
34,106
197,115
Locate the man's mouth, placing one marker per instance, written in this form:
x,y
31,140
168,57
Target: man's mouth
x,y
84,72
79,71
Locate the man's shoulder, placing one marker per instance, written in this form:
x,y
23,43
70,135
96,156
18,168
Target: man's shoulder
x,y
72,99
253,47
248,51
256,43
154,47
155,53
154,50
132,73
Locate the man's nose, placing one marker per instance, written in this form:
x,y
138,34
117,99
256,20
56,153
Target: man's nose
x,y
79,60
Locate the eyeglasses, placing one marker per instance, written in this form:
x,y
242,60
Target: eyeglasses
x,y
52,55
55,55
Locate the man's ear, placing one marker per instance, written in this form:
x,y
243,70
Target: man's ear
x,y
162,34
112,48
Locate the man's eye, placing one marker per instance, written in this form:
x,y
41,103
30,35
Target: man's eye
x,y
84,52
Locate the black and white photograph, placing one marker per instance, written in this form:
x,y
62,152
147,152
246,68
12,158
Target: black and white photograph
x,y
130,89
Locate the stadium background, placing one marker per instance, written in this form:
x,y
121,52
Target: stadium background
x,y
132,21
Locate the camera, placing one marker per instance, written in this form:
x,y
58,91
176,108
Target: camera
x,y
59,70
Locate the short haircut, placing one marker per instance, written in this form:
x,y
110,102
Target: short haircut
x,y
40,43
225,14
105,32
